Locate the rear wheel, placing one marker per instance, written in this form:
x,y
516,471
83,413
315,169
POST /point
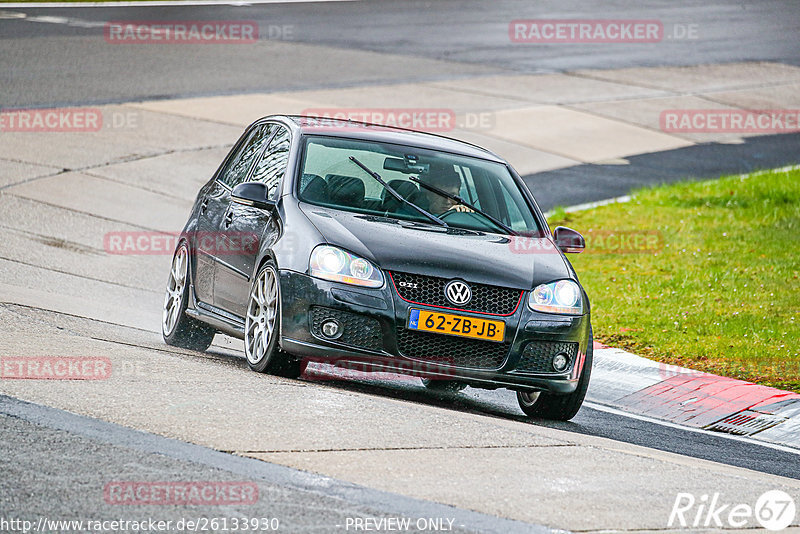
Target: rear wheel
x,y
179,329
544,405
262,328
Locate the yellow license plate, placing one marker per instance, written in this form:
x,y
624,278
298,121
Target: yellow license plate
x,y
456,325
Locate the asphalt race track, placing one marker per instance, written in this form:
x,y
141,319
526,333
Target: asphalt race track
x,y
323,451
362,42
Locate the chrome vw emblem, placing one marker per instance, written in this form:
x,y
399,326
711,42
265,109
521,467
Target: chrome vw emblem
x,y
458,292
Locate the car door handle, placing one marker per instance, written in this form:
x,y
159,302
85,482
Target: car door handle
x,y
228,219
204,205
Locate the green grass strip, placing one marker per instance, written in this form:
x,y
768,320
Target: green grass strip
x,y
704,274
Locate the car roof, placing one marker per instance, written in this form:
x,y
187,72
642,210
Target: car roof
x,y
388,134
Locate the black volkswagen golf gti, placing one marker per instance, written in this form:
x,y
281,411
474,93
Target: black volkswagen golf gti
x,y
387,250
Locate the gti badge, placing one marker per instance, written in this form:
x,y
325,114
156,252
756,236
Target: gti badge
x,y
458,292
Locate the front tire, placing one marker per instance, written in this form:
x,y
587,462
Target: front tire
x,y
262,327
544,405
177,328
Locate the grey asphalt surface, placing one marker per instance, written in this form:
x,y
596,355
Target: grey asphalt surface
x,y
70,486
590,421
424,40
591,182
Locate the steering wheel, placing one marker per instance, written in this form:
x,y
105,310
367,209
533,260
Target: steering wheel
x,y
467,219
452,211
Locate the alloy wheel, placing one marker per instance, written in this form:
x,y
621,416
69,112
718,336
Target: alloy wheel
x,y
528,398
262,312
176,284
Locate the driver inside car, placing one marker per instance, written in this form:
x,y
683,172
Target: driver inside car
x,y
443,177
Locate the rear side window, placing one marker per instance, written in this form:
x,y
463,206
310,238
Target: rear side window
x,y
272,165
236,170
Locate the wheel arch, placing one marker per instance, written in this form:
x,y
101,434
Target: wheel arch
x,y
267,256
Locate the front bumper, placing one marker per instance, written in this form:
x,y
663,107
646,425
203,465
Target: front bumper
x,y
375,339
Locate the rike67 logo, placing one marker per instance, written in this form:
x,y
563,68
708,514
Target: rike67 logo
x,y
774,510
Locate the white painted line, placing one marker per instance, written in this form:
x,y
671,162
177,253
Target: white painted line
x,y
590,205
750,441
759,173
78,23
164,3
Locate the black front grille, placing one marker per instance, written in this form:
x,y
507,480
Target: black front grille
x,y
451,350
430,290
537,357
359,331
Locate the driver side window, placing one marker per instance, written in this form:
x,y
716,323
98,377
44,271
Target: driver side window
x,y
236,171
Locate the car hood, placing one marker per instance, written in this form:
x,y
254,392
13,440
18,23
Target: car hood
x,y
406,246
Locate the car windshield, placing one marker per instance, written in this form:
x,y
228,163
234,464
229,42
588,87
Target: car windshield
x,y
330,177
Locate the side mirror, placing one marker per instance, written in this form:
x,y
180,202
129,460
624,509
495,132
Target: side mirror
x,y
568,240
252,194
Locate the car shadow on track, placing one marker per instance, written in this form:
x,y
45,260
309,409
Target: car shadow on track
x,y
498,403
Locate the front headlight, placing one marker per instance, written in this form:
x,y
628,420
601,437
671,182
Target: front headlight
x,y
331,263
563,296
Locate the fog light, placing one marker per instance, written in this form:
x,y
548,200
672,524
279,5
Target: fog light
x,y
560,362
332,329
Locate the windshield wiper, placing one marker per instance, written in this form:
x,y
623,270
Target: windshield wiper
x,y
460,200
397,195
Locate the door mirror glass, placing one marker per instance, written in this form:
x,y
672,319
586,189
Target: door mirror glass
x,y
568,240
